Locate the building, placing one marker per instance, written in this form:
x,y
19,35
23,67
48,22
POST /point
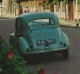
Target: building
x,y
68,11
33,5
3,7
11,7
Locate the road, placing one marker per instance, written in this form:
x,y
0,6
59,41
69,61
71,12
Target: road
x,y
6,28
51,63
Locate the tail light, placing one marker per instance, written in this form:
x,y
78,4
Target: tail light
x,y
61,43
64,45
31,46
28,49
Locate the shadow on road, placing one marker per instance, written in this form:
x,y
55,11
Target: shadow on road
x,y
44,59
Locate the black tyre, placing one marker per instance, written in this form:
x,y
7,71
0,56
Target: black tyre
x,y
65,54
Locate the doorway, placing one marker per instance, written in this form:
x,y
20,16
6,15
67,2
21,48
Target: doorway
x,y
70,11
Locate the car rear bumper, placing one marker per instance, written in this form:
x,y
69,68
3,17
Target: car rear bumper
x,y
45,52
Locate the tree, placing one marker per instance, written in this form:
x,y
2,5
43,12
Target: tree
x,y
55,2
51,2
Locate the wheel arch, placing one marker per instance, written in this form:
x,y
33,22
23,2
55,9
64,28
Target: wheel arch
x,y
23,45
65,39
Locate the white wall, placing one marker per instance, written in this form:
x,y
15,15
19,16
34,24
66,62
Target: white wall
x,y
31,5
0,11
61,14
74,10
4,7
75,14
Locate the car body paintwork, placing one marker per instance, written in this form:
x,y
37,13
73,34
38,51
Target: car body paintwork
x,y
25,38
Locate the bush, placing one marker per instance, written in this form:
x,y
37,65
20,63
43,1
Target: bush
x,y
10,61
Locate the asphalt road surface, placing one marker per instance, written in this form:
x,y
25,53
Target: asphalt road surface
x,y
6,28
51,63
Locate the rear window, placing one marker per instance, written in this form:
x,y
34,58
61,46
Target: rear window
x,y
41,22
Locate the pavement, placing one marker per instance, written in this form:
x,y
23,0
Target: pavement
x,y
62,22
8,17
69,23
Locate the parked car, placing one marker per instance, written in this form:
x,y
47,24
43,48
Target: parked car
x,y
39,32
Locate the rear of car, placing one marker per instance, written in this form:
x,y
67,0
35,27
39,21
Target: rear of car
x,y
41,33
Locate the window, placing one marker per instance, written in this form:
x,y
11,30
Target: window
x,y
41,22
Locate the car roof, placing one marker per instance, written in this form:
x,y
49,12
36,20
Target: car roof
x,y
37,15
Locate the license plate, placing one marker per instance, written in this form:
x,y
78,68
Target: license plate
x,y
44,42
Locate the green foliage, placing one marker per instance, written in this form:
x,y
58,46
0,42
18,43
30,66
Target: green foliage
x,y
65,1
55,2
40,4
78,1
46,3
8,64
37,70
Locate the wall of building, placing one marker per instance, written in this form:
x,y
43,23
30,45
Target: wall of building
x,y
61,14
32,5
12,8
4,7
0,9
78,13
64,15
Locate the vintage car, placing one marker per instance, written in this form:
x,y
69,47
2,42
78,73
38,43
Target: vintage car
x,y
39,32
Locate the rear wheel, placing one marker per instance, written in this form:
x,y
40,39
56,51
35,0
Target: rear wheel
x,y
65,54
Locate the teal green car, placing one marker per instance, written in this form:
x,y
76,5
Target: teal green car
x,y
39,32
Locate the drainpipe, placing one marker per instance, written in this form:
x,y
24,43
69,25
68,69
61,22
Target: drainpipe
x,y
77,24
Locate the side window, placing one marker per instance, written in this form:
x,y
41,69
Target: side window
x,y
51,21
